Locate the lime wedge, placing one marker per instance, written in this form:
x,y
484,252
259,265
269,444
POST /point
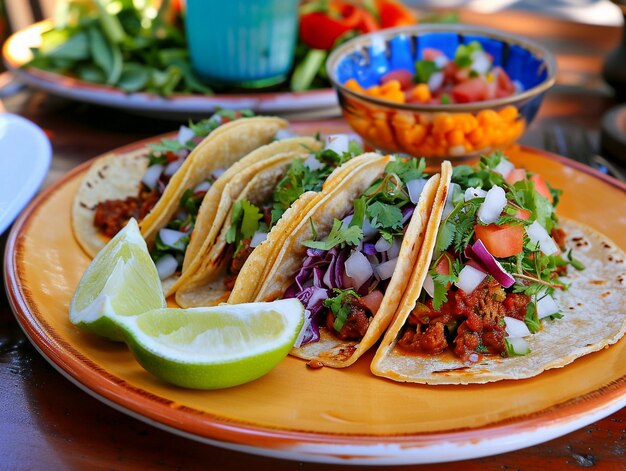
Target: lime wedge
x,y
120,281
214,347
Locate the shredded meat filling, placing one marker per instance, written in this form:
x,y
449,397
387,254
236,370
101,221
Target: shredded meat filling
x,y
112,215
236,264
356,323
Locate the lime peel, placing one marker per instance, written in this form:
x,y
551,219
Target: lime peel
x,y
214,347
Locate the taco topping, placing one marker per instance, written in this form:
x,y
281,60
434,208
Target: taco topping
x,y
344,276
164,160
495,266
250,224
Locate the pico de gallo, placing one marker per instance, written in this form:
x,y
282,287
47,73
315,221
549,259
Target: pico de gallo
x,y
344,276
497,262
470,76
250,223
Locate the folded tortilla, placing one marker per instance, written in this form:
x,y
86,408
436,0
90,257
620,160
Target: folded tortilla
x,y
594,317
113,177
334,204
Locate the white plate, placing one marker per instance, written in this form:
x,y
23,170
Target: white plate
x,y
25,154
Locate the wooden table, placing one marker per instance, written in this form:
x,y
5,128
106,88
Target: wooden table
x,y
48,423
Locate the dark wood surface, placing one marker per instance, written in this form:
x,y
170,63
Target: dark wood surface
x,y
48,423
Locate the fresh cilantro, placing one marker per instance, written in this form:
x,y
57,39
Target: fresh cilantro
x,y
531,319
157,159
244,223
167,145
339,304
445,236
384,216
191,201
338,236
445,99
577,264
440,294
424,69
481,349
354,148
407,169
463,54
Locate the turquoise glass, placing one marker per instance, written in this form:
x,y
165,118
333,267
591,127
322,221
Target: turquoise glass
x,y
247,43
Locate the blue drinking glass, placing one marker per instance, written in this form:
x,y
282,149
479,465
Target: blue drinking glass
x,y
246,43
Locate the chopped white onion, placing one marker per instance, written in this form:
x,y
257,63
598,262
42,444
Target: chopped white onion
x,y
504,167
202,186
368,229
519,86
312,163
415,188
435,81
345,222
152,175
480,62
358,269
171,168
546,306
305,327
382,245
469,279
519,345
284,134
495,201
429,286
257,238
516,328
394,250
218,172
385,270
172,238
338,143
185,134
472,193
538,235
441,61
216,118
166,266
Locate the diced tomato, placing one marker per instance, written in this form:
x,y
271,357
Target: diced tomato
x,y
541,187
475,89
504,82
373,300
405,77
516,175
522,214
501,241
430,54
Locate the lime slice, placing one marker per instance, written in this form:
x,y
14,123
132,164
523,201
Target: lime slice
x,y
120,281
214,347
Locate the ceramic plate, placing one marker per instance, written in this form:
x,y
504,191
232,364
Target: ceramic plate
x,y
16,52
325,415
25,154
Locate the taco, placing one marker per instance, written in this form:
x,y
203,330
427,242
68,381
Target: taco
x,y
149,185
350,256
504,290
258,214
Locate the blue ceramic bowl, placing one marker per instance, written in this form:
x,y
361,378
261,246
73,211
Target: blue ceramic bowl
x,y
424,130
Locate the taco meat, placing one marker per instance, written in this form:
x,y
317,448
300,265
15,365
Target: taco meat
x,y
356,323
467,323
112,215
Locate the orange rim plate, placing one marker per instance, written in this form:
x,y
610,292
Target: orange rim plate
x,y
326,415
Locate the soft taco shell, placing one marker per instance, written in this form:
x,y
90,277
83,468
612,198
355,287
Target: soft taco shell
x,y
218,150
111,176
205,287
330,350
594,310
119,176
225,191
260,263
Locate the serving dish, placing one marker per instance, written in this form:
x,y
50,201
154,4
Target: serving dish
x,y
16,52
326,415
456,131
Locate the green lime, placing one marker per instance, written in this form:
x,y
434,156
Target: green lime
x,y
214,347
120,281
